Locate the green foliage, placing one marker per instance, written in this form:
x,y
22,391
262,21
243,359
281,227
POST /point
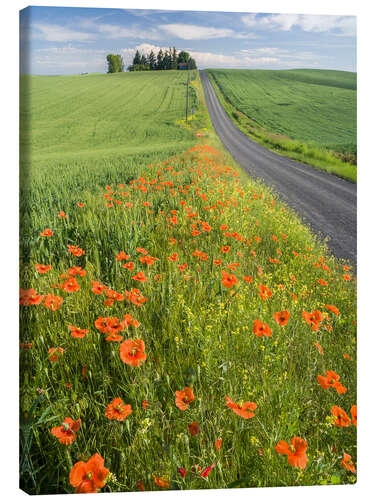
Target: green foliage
x,y
167,60
115,63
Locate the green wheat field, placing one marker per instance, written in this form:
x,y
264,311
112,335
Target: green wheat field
x,y
180,328
309,114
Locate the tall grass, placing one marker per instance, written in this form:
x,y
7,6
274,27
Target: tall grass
x,y
191,208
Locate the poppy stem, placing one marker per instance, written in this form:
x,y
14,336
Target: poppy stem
x,y
69,458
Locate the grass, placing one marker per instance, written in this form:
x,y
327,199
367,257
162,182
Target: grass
x,y
307,115
196,326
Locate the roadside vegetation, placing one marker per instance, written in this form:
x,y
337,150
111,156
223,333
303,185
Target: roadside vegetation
x,y
180,328
307,115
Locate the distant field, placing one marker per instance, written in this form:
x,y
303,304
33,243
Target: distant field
x,y
306,105
92,116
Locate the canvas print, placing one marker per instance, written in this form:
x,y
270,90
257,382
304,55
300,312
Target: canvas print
x,y
187,250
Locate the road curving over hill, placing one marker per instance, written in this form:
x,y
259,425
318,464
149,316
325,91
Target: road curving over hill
x,y
327,203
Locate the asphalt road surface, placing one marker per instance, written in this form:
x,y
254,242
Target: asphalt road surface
x,y
327,203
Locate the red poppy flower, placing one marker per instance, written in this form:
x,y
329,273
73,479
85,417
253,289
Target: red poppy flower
x,y
90,476
347,463
331,379
53,302
282,317
161,482
217,262
228,280
172,220
109,325
26,346
75,250
42,268
248,279
30,297
200,255
145,405
62,215
296,452
140,276
264,292
66,432
141,250
244,410
225,248
132,352
147,259
129,266
97,287
135,297
233,265
194,428
353,412
205,472
260,329
141,486
313,319
77,333
319,347
184,398
47,232
206,227
218,443
55,353
333,309
70,285
173,257
130,321
122,256
118,410
181,471
342,419
80,204
76,270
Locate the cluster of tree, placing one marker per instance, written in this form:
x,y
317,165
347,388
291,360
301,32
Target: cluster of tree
x,y
115,63
169,59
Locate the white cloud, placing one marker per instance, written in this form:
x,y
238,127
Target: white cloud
x,y
69,59
343,25
196,32
116,32
56,33
211,60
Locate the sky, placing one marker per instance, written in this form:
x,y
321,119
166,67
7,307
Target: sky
x,y
72,40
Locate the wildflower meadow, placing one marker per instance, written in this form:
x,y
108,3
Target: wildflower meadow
x,y
180,328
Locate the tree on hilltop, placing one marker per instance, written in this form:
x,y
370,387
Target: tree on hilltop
x,y
115,63
167,59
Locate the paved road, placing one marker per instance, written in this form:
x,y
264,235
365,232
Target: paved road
x,y
325,202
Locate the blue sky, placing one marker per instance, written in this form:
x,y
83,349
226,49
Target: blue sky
x,y
65,40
